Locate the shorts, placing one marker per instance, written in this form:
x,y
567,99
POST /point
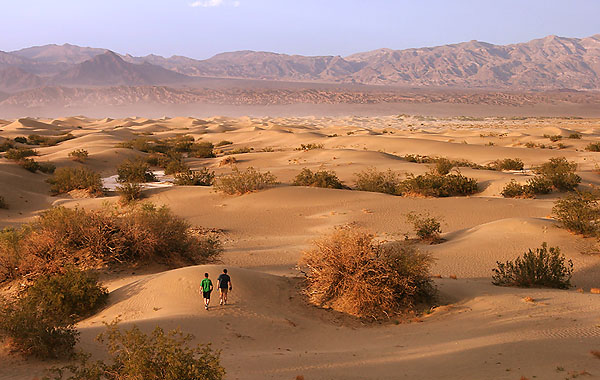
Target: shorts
x,y
206,295
223,290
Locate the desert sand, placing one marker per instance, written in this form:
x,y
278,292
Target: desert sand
x,y
269,331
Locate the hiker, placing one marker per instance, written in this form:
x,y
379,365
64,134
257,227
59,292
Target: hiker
x,y
206,287
224,285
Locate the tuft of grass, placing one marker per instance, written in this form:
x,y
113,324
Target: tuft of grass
x,y
545,267
242,182
321,178
68,178
352,273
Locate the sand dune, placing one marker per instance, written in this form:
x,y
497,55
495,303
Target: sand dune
x,y
268,331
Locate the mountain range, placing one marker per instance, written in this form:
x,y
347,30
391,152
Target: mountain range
x,y
548,63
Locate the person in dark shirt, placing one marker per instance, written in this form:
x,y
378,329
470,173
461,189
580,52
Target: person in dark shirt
x,y
224,285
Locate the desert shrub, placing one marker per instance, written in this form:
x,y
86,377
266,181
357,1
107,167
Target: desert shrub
x,y
40,321
426,227
203,150
202,177
92,239
135,355
579,212
6,144
545,267
380,182
321,178
176,166
3,203
443,166
240,150
79,155
310,146
350,272
19,153
553,138
534,186
21,139
593,147
223,143
507,164
67,179
46,167
560,172
180,144
228,161
129,192
29,164
242,182
136,170
435,185
47,140
576,136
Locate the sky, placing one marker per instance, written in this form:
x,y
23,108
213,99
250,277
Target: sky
x,y
201,28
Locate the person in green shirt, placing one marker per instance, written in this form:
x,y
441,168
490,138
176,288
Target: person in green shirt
x,y
207,287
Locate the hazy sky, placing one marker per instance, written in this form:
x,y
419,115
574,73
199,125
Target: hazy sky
x,y
200,29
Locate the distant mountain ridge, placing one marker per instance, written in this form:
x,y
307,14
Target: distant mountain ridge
x,y
543,64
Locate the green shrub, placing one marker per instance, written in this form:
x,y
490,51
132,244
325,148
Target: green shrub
x,y
576,136
435,185
242,182
79,155
321,178
21,139
579,212
593,147
380,182
539,185
136,170
241,150
223,143
40,321
203,150
202,177
507,164
350,272
426,227
545,267
560,172
135,355
129,192
93,239
19,153
515,190
3,204
179,144
67,179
